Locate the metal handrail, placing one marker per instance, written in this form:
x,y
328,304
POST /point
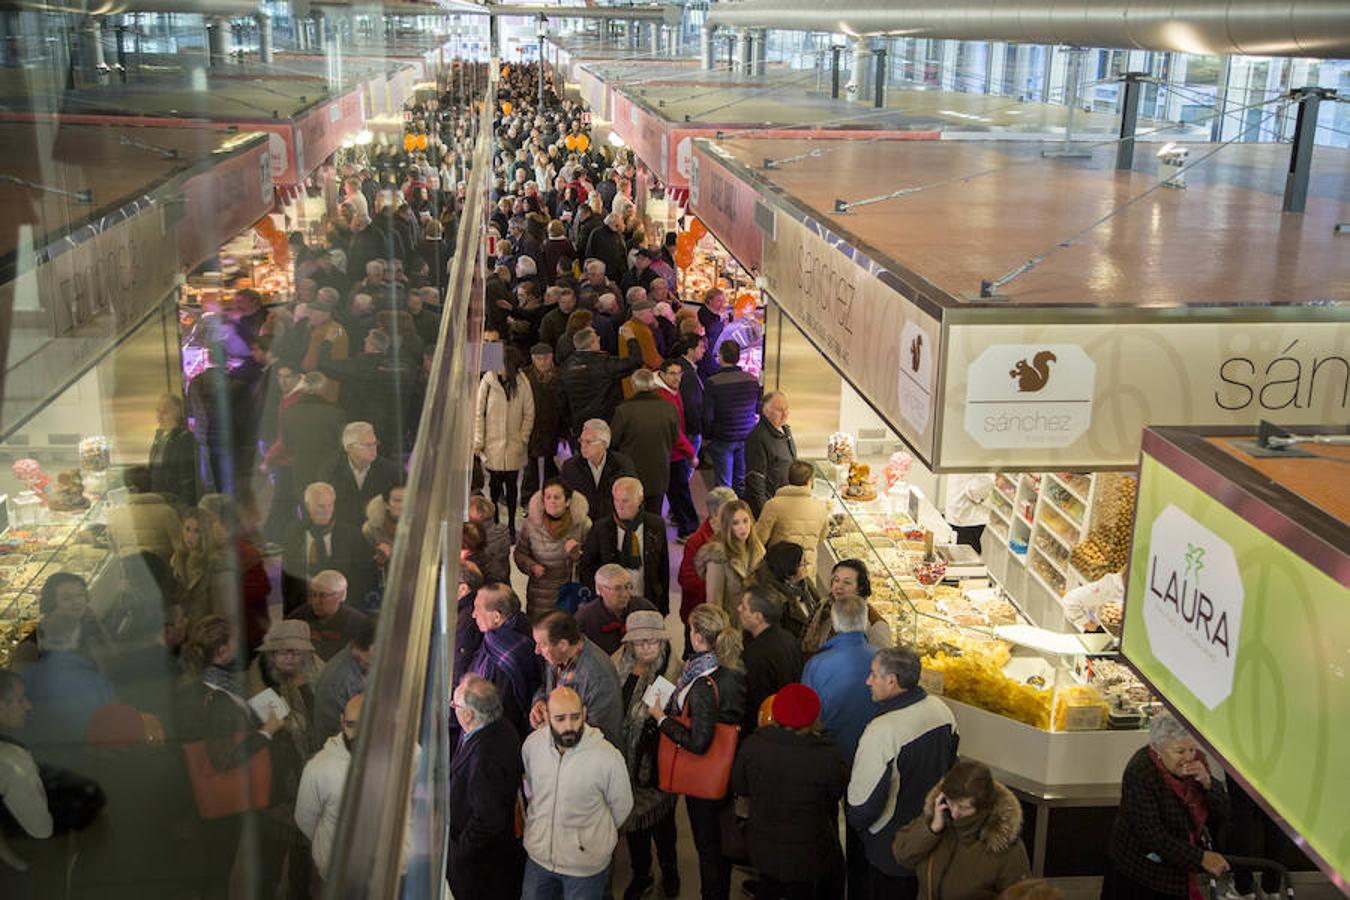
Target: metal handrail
x,y
367,857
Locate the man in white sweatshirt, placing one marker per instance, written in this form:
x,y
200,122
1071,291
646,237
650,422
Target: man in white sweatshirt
x,y
22,795
579,795
320,794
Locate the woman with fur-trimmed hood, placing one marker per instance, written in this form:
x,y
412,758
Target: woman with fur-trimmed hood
x,y
967,843
549,544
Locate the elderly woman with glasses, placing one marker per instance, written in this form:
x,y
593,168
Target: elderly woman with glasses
x,y
1172,805
287,664
643,657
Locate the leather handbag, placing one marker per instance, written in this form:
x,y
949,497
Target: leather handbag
x,y
231,791
701,775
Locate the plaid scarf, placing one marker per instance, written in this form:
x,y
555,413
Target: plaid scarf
x,y
630,556
508,652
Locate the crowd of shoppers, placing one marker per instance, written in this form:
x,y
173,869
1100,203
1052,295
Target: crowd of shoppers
x,y
580,715
192,737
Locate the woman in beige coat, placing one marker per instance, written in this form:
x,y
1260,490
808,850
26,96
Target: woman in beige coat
x,y
793,516
501,432
727,562
549,544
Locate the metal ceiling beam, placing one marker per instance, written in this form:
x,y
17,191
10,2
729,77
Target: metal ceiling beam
x,y
1309,28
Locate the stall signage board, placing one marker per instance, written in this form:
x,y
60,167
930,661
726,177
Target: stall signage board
x,y
1077,396
1029,395
877,338
1247,640
725,204
83,292
642,131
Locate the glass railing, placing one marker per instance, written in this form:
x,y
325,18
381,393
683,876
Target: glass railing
x,y
391,836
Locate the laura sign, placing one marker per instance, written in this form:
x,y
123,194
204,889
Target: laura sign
x,y
1193,604
1029,395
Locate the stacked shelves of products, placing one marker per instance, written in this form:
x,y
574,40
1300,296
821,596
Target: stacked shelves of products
x,y
1060,523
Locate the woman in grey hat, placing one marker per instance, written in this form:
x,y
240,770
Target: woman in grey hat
x,y
644,656
286,663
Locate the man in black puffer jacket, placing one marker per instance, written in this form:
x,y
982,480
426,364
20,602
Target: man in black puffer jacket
x,y
769,450
591,378
730,409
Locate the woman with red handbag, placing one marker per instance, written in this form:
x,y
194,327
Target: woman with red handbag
x,y
226,746
698,737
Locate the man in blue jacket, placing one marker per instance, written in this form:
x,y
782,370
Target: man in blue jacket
x,y
838,674
902,753
730,410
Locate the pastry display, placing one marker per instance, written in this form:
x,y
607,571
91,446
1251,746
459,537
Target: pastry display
x,y
861,485
953,627
62,541
69,493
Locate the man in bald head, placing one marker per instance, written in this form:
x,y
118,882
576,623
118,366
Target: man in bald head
x,y
579,795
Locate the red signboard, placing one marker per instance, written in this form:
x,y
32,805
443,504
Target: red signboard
x,y
726,204
643,131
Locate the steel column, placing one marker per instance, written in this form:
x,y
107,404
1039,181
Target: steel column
x,y
1129,118
1300,156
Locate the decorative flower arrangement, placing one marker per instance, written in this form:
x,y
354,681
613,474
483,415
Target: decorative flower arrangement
x,y
95,453
897,468
30,473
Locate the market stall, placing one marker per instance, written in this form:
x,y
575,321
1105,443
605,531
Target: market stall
x,y
90,356
899,377
1238,615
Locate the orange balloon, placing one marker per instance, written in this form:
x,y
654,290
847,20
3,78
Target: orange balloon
x,y
684,242
421,142
698,229
684,258
570,142
583,143
506,107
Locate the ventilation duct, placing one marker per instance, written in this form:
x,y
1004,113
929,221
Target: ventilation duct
x,y
1312,28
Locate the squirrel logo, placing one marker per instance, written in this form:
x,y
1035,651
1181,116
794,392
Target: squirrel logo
x,y
1032,377
915,352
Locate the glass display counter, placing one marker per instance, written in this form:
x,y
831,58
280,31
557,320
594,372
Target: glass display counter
x,y
72,541
979,647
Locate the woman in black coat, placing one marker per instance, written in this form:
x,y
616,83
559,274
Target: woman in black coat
x,y
1171,811
794,778
710,690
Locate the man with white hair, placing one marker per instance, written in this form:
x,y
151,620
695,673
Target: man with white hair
x,y
332,623
361,474
607,245
318,541
594,470
633,538
595,282
838,672
485,856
